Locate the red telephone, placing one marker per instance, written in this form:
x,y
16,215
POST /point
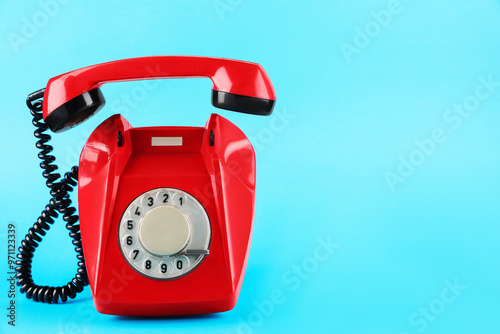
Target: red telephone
x,y
166,213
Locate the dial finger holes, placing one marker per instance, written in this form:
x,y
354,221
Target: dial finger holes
x,y
181,263
136,211
149,264
164,198
164,234
136,255
166,267
149,201
129,241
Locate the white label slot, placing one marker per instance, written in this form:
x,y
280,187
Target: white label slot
x,y
166,141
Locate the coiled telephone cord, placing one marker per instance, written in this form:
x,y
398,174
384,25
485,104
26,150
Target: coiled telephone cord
x,y
60,203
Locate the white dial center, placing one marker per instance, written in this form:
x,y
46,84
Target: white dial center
x,y
164,231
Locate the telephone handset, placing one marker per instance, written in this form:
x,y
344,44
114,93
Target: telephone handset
x,y
166,213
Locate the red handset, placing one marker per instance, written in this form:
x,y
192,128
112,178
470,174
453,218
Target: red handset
x,y
72,97
166,213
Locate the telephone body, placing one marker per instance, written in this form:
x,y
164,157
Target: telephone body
x,y
166,213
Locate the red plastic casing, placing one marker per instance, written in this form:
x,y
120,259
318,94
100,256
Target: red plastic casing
x,y
221,177
227,75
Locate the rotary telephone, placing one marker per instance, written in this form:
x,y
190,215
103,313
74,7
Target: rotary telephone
x,y
165,213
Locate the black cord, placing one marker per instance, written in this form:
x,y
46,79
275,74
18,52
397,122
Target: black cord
x,y
59,202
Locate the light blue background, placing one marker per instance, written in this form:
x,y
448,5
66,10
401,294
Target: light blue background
x,y
340,124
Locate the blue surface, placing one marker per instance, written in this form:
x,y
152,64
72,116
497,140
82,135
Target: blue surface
x,y
366,148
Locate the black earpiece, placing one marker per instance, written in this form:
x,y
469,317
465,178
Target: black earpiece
x,y
75,111
242,103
